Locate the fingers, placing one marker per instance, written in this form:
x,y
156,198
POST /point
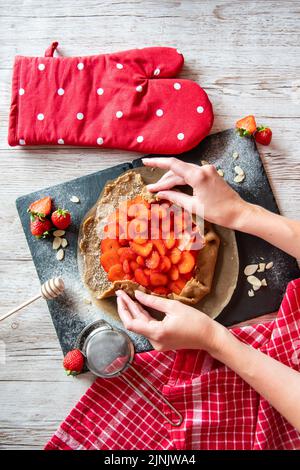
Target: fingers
x,y
134,308
140,326
166,183
158,303
188,171
189,203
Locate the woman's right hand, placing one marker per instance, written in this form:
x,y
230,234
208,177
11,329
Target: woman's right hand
x,y
213,199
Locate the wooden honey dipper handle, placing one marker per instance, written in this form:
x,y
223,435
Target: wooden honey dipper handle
x,y
49,290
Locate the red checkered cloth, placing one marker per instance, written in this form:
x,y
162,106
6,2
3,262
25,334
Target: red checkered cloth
x,y
220,410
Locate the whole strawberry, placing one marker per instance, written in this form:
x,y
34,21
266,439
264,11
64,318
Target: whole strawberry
x,y
73,362
61,218
40,228
263,135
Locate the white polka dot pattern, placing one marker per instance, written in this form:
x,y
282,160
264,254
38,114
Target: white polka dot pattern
x,y
80,66
100,141
41,67
200,109
119,114
22,142
21,91
140,139
156,72
40,117
180,136
60,91
177,86
100,91
139,88
61,141
119,66
80,116
159,112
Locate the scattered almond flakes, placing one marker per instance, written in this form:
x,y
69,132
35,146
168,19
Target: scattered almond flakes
x,y
255,288
60,255
264,282
220,172
59,233
261,267
269,265
250,293
56,243
250,269
75,199
204,162
254,281
64,242
87,301
239,178
235,155
239,170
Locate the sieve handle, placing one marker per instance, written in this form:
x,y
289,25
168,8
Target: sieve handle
x,y
154,389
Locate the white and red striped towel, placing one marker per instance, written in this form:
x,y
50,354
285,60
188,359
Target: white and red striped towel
x,y
220,410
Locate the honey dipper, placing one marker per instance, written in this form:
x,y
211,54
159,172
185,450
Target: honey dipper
x,y
49,290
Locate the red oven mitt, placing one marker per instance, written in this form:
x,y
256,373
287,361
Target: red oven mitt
x,y
126,100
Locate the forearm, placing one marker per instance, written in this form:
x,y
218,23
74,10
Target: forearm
x,y
276,382
275,229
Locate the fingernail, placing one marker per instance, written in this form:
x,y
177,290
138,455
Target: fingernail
x,y
118,292
150,186
139,292
145,159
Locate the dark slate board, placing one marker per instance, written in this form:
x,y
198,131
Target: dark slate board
x,y
70,313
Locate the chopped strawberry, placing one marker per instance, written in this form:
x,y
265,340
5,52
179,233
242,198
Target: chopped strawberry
x,y
159,245
246,126
142,250
152,262
141,277
41,208
126,253
174,273
187,262
116,273
165,264
133,265
177,286
160,291
138,228
126,266
109,259
140,260
170,242
139,210
158,279
175,255
109,244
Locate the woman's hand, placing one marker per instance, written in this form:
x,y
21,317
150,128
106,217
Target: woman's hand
x,y
183,327
221,204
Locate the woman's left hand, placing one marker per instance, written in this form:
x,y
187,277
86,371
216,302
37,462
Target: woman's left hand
x,y
183,327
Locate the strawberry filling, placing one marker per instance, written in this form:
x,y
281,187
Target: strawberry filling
x,y
144,243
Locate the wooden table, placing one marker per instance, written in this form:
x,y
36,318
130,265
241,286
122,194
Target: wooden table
x,y
247,57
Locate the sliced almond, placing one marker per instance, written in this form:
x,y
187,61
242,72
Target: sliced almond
x,y
204,162
56,243
255,288
261,268
254,281
60,255
75,199
235,155
239,170
250,293
239,178
59,233
220,172
269,265
250,269
87,301
64,242
264,282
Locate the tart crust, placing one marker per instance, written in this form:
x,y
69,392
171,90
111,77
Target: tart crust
x,y
127,186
